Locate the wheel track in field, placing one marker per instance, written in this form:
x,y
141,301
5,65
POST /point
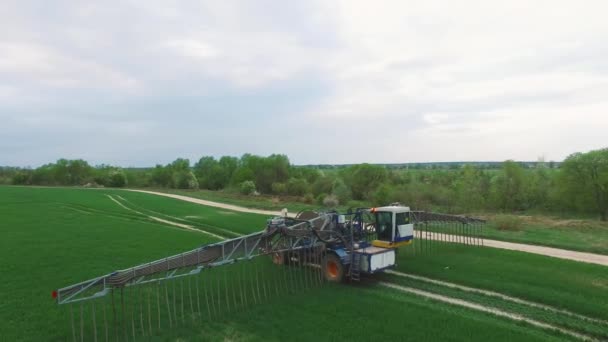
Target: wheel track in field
x,y
534,249
173,218
499,295
487,309
164,221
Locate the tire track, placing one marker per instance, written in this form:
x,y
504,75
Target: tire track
x,y
498,295
173,218
171,223
486,309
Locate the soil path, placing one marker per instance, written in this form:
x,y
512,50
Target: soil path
x,y
214,204
542,250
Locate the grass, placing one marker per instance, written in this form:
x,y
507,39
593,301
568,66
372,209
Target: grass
x,y
578,235
55,237
46,245
340,312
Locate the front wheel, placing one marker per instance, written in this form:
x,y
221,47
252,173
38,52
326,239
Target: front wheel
x,y
333,268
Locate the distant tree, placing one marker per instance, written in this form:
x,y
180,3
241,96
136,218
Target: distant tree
x,y
78,172
242,174
184,180
180,164
341,191
279,188
262,170
161,176
538,188
21,178
508,187
585,180
470,188
209,174
382,195
228,166
364,179
44,175
297,187
322,185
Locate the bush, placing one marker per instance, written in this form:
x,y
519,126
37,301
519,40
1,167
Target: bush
x,y
507,222
309,198
331,201
247,187
117,178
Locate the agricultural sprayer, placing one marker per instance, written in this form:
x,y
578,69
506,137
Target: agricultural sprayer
x,y
311,249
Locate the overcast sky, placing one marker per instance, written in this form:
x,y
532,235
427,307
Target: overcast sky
x,y
135,83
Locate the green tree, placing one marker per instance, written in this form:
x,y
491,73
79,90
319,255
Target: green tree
x,y
161,176
209,174
364,179
469,189
184,179
297,187
585,180
509,187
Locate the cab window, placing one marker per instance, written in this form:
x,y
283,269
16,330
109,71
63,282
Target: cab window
x,y
384,225
402,218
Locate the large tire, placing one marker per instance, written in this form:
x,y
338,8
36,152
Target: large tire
x,y
333,270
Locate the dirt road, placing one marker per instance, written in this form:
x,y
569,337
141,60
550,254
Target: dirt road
x,y
547,251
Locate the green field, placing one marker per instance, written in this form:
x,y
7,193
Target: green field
x,y
54,237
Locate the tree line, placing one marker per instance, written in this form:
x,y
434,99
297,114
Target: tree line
x,y
578,185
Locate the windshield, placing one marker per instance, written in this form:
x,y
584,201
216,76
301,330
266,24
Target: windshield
x,y
384,225
402,218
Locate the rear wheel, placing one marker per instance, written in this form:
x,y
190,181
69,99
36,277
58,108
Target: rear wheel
x,y
333,268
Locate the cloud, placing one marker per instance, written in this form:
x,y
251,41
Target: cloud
x,y
332,82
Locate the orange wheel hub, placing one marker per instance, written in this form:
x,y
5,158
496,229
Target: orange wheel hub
x,y
332,269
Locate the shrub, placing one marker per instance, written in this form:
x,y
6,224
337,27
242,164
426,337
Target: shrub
x,y
507,222
309,198
247,187
331,201
117,178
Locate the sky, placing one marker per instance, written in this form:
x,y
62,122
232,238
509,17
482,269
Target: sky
x,y
136,83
